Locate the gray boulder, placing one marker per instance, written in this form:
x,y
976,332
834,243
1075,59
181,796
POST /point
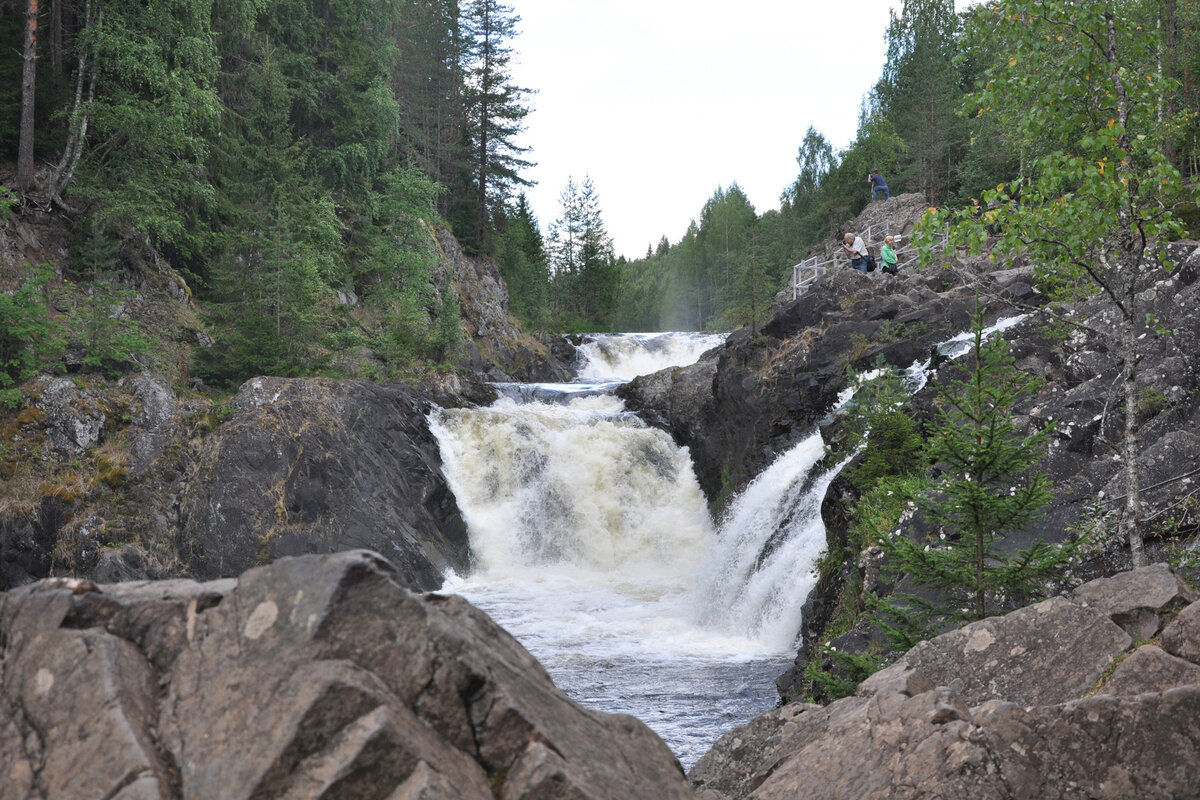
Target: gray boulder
x,y
308,678
1022,706
73,418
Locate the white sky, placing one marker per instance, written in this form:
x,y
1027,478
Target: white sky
x,y
662,101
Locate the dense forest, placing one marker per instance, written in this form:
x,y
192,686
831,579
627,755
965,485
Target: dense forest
x,y
287,158
285,155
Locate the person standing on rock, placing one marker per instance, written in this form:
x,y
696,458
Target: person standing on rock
x,y
887,256
878,184
856,251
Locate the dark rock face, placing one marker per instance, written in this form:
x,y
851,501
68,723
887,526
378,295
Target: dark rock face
x,y
1020,706
317,677
755,397
317,466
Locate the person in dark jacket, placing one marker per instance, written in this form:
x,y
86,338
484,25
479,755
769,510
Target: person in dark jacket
x,y
878,184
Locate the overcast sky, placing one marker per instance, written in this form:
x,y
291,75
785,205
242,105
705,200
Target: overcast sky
x,y
662,101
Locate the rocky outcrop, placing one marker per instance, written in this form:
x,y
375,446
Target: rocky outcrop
x,y
1052,701
318,466
318,677
756,397
497,347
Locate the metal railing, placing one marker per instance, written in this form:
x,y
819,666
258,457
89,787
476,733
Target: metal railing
x,y
808,271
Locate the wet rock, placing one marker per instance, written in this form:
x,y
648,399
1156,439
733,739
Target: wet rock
x,y
309,678
318,466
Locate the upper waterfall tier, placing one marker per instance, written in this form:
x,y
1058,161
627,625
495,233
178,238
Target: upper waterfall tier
x,y
624,356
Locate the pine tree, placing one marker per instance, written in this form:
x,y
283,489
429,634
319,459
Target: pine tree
x,y
986,489
919,93
496,109
584,274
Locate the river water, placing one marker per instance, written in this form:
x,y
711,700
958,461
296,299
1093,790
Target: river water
x,y
593,545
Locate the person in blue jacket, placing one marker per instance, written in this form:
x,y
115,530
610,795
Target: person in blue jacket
x,y
878,184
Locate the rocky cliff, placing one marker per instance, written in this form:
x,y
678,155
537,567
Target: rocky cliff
x,y
752,399
146,475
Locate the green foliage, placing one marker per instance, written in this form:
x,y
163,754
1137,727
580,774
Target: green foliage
x,y
836,674
112,341
152,117
584,272
1080,86
880,508
30,340
919,94
521,259
985,490
879,402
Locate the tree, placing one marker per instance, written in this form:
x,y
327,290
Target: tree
x,y
919,92
985,491
584,276
496,110
28,88
521,259
1096,206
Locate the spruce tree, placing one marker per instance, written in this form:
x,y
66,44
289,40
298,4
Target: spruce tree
x,y
986,489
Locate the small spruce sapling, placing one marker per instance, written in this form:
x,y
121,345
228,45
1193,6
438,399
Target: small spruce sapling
x,y
986,489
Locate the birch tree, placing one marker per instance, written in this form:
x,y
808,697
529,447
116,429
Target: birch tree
x,y
1096,206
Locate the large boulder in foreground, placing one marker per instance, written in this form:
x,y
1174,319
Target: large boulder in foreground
x,y
310,466
315,677
1055,700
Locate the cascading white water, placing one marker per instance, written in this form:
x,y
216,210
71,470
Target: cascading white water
x,y
593,546
761,570
624,356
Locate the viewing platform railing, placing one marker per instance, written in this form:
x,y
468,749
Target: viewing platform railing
x,y
808,271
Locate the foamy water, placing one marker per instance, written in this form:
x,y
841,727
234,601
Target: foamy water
x,y
593,545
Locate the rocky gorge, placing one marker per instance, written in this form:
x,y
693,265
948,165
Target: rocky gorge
x,y
154,688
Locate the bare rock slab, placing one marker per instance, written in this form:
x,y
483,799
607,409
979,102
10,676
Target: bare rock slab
x,y
1137,600
1002,709
1149,669
1047,653
313,677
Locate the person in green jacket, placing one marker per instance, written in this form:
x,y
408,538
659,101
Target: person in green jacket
x,y
887,256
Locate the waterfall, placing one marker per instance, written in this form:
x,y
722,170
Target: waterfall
x,y
575,486
762,568
593,545
624,356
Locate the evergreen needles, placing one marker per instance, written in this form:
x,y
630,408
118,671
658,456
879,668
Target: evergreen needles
x,y
983,490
